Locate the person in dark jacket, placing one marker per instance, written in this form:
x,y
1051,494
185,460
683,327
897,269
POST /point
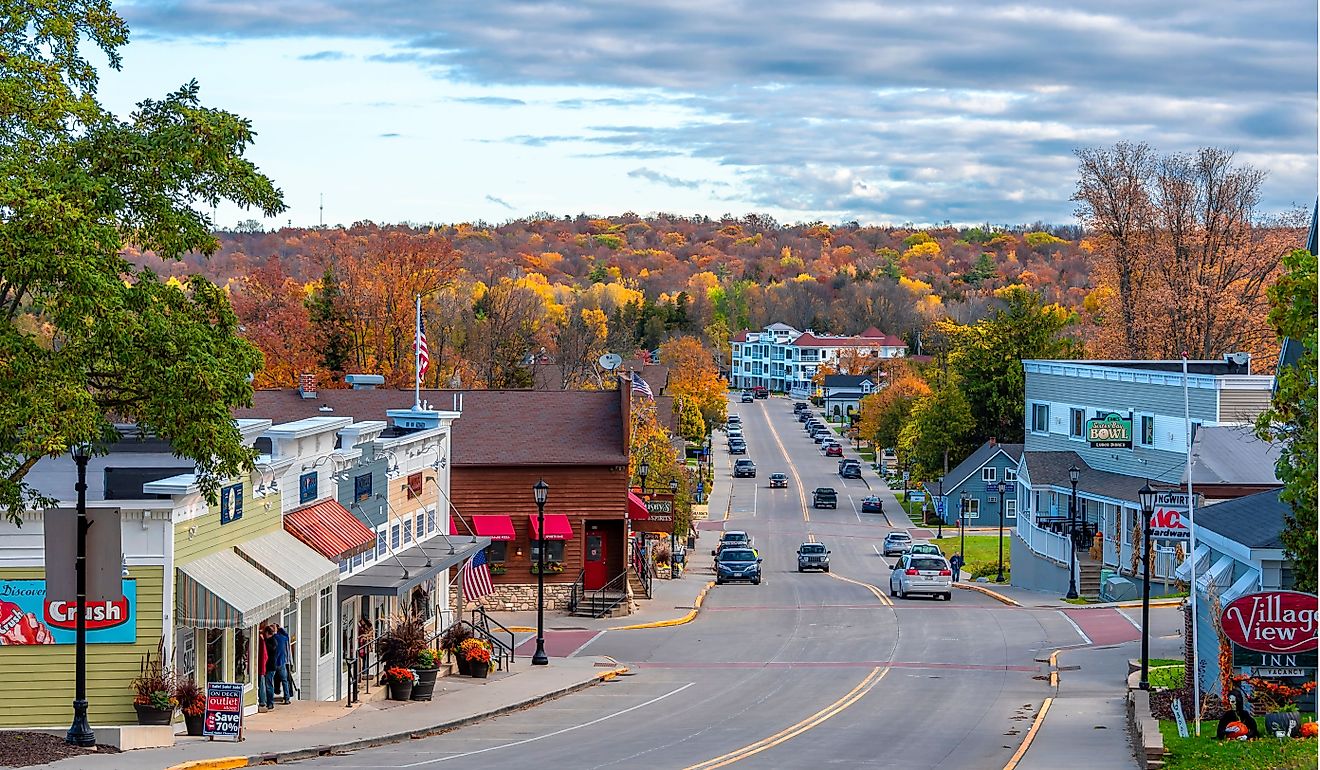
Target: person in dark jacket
x,y
266,688
281,662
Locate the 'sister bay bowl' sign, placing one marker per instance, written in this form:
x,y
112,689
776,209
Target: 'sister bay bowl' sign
x,y
1113,431
1272,622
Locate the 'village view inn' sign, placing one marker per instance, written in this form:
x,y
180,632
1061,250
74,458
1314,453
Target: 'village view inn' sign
x,y
1112,431
1277,622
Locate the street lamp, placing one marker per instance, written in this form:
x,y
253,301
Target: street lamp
x,y
939,532
540,491
962,528
673,531
1003,487
643,468
1074,473
80,732
1147,497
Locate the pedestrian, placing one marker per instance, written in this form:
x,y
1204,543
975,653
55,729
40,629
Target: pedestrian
x,y
266,688
282,662
956,564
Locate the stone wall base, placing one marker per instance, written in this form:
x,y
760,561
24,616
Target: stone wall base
x,y
517,597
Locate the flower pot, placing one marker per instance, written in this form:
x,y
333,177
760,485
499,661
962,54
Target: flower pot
x,y
463,666
150,715
425,685
479,670
194,723
400,690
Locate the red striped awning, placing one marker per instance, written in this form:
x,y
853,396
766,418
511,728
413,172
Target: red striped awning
x,y
637,507
497,528
330,529
557,527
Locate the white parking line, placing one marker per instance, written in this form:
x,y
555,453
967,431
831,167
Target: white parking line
x,y
877,551
1129,619
854,507
1076,627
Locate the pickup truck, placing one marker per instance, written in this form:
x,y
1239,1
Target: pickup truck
x,y
824,497
761,391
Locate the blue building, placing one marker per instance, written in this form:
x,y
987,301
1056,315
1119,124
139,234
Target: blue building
x,y
979,476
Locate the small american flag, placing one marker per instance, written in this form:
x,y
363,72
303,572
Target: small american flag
x,y
476,577
423,354
639,386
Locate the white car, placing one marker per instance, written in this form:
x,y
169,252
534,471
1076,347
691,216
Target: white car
x,y
921,573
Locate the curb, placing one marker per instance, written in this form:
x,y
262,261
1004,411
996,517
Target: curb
x,y
280,757
688,618
992,594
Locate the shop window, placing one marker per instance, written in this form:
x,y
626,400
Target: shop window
x,y
989,474
326,620
1076,423
554,555
496,553
186,654
1040,418
215,655
407,531
242,648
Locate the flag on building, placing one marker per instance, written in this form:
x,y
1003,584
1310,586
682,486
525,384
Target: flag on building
x,y
423,353
476,577
639,386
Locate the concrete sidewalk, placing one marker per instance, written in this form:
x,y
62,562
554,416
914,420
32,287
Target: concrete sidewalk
x,y
458,701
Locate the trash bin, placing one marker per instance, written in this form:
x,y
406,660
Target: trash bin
x,y
692,541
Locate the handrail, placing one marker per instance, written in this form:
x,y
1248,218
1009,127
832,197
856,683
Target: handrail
x,y
642,567
599,600
578,587
501,653
487,620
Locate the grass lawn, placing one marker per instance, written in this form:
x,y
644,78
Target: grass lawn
x,y
1166,674
913,510
982,554
1206,753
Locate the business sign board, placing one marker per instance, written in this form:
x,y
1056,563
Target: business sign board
x,y
224,710
916,497
661,510
1168,520
1112,431
1244,658
28,616
1276,622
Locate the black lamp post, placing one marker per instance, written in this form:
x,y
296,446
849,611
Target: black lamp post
x,y
80,732
962,527
1003,487
1147,497
673,532
1074,473
643,468
540,491
939,532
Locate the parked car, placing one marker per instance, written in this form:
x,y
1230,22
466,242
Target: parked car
x,y
824,497
738,564
833,450
734,431
929,549
737,447
850,469
734,419
746,397
820,435
897,544
779,480
761,391
800,406
921,574
813,556
744,468
734,538
803,416
872,504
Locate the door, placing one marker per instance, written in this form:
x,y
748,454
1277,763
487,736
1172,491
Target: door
x,y
595,574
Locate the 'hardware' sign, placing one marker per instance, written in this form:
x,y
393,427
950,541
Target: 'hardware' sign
x,y
1168,521
1113,431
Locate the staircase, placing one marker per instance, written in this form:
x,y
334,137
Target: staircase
x,y
602,604
1088,578
639,589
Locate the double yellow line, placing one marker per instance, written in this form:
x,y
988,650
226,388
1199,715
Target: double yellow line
x,y
791,732
802,493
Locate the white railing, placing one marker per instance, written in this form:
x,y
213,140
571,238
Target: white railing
x,y
1043,541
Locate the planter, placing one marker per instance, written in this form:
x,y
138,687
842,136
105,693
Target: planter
x,y
479,670
463,666
400,690
425,685
194,723
149,715
1286,722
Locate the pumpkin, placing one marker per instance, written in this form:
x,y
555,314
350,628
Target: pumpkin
x,y
1309,729
1236,731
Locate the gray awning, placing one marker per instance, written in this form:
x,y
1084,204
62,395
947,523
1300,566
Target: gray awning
x,y
396,574
290,563
223,591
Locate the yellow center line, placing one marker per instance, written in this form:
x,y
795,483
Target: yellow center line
x,y
802,494
793,731
884,599
1030,736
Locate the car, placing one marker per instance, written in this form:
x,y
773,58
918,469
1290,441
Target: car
x,y
929,549
779,480
850,468
734,420
919,573
820,435
833,450
824,497
761,391
804,416
738,564
734,431
897,544
744,468
746,398
738,447
734,538
800,406
813,556
872,504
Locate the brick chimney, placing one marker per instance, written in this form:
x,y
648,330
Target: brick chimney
x,y
307,385
992,441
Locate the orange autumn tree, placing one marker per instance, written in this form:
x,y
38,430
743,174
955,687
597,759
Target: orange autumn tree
x,y
694,378
885,412
272,310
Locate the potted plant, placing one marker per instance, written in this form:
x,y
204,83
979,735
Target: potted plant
x,y
192,702
452,639
428,668
399,646
153,692
400,682
498,568
477,654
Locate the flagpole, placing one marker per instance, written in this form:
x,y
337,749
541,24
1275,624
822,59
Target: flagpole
x,y
1191,526
417,358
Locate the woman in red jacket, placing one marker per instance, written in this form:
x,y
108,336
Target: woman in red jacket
x,y
266,684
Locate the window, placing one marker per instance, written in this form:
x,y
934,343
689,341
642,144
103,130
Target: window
x,y
1040,418
357,561
496,553
326,620
554,551
1010,475
362,488
343,566
421,525
1077,423
242,650
1147,430
380,544
407,531
1010,508
394,537
989,474
973,509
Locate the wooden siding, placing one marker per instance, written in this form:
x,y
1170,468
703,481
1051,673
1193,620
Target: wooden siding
x,y
38,680
260,516
579,492
1242,406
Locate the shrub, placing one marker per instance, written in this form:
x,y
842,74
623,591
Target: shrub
x,y
400,645
454,636
190,697
155,683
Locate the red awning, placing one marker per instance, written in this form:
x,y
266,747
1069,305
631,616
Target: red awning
x,y
556,527
330,530
494,527
453,526
637,507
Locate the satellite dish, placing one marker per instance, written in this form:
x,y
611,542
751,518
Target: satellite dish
x,y
610,361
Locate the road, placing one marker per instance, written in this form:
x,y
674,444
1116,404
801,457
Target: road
x,y
800,671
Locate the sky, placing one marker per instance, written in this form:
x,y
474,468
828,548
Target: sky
x,y
967,111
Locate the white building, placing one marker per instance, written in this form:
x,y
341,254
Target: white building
x,y
782,358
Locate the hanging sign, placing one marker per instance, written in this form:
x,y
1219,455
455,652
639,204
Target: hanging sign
x,y
661,519
1113,431
224,711
1168,520
1273,622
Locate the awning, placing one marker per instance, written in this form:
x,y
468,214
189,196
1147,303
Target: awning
x,y
395,574
1219,574
453,525
1184,570
497,528
295,566
637,507
223,591
556,527
1248,583
330,530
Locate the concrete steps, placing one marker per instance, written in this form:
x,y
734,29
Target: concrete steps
x,y
610,605
1088,579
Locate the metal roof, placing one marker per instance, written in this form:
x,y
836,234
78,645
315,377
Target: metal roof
x,y
330,530
1255,521
222,590
396,574
284,558
1227,454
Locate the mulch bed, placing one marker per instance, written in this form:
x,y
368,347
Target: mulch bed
x,y
24,749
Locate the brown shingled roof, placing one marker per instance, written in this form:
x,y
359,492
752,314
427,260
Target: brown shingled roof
x,y
498,427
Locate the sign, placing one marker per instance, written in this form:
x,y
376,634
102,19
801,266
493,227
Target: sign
x,y
939,506
1168,521
1113,431
907,475
224,710
1244,658
105,554
661,510
1280,672
1182,720
1273,622
28,616
916,497
307,487
231,503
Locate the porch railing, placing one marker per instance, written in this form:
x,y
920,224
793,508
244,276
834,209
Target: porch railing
x,y
1044,542
490,626
641,564
599,601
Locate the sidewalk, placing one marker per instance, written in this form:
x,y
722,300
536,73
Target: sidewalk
x,y
458,701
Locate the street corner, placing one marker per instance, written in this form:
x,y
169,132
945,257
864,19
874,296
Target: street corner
x,y
687,617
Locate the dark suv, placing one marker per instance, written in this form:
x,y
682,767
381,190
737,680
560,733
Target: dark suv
x,y
813,556
738,564
824,497
744,468
850,469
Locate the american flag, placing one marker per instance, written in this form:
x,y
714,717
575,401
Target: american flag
x,y
476,577
639,386
423,353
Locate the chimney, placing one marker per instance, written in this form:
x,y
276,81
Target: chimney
x,y
307,385
992,441
364,381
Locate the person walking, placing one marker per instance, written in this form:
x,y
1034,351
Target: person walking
x,y
266,687
281,664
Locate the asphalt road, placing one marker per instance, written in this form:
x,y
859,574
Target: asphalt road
x,y
803,670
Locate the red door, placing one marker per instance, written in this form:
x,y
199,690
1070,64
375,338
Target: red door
x,y
595,575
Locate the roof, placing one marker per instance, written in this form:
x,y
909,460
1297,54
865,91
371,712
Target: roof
x,y
739,337
1232,455
847,380
397,572
497,427
810,340
1213,367
1255,521
1051,468
330,530
977,460
222,590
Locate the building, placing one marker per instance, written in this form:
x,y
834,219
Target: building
x,y
784,359
842,394
1230,461
979,476
1120,423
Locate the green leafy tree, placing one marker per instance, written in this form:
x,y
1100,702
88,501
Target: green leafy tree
x,y
939,425
330,323
1291,420
690,425
86,338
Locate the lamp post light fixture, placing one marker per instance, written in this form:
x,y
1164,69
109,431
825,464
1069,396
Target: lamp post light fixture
x,y
1074,474
80,732
939,532
1002,488
1147,497
540,491
643,468
962,526
673,530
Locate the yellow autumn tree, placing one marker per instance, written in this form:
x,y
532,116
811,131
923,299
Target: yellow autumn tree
x,y
693,376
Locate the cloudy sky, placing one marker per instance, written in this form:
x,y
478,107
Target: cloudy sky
x,y
833,110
